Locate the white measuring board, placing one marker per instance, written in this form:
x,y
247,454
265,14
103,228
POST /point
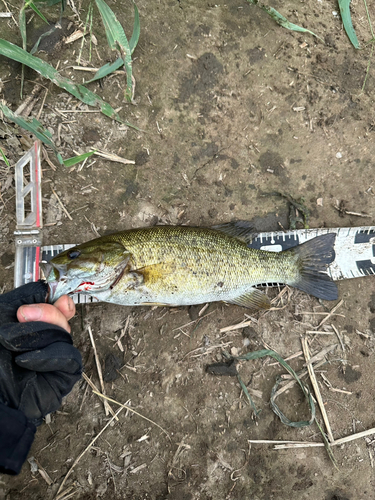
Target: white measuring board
x,y
354,248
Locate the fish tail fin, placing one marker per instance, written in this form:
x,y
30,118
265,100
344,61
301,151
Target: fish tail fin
x,y
314,256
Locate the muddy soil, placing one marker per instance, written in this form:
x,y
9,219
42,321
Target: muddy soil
x,y
231,109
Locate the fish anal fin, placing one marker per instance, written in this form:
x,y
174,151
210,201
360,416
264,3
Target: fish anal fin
x,y
253,299
243,230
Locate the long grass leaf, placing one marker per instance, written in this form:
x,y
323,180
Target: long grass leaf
x,y
79,91
280,19
4,158
267,352
33,126
106,70
109,68
136,30
117,40
47,33
22,23
36,10
77,159
87,23
347,22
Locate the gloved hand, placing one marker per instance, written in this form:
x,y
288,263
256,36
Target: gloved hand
x,y
38,363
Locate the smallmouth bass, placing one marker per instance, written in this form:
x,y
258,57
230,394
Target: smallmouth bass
x,y
182,265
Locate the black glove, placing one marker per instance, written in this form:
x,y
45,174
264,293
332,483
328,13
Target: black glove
x,y
38,363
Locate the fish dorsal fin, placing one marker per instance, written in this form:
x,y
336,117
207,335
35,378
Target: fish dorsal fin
x,y
253,299
241,229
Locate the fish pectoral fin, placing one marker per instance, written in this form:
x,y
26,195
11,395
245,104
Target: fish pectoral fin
x,y
243,230
130,280
254,299
156,273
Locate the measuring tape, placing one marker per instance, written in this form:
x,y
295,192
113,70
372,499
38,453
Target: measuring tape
x,y
354,247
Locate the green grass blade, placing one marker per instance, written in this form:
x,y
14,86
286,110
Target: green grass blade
x,y
112,27
347,22
4,158
49,3
47,33
369,21
280,19
36,10
267,352
22,23
107,69
136,30
79,91
117,40
33,126
77,159
87,23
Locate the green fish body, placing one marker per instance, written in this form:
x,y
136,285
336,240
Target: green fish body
x,y
181,265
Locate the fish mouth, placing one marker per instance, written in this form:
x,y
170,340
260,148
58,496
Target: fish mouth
x,y
60,283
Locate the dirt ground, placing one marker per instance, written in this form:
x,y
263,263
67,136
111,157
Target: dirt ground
x,y
232,108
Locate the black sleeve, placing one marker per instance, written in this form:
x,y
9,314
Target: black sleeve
x,y
16,437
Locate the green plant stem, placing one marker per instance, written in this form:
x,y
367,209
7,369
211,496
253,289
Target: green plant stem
x,y
369,20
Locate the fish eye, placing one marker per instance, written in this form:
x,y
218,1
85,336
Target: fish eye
x,y
73,254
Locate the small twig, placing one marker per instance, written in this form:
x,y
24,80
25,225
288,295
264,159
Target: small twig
x,y
42,105
94,70
129,408
348,212
314,382
94,388
25,108
331,312
123,331
366,335
243,324
206,350
293,380
7,8
98,367
331,388
354,436
293,356
321,354
68,111
307,444
64,495
181,448
295,443
61,205
87,449
339,337
46,157
317,332
113,157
